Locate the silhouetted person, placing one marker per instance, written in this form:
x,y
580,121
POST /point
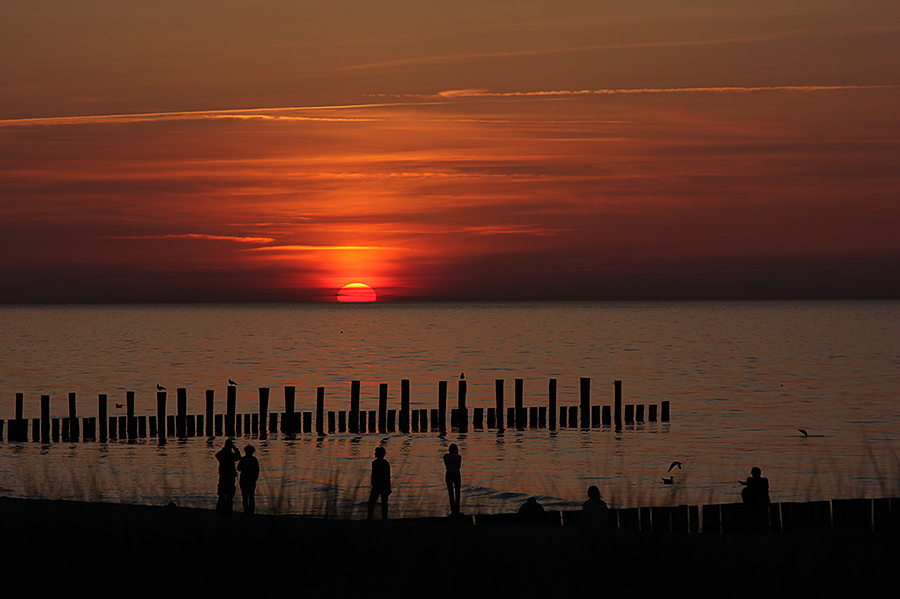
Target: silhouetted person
x,y
381,483
755,496
594,511
453,461
227,457
531,512
248,466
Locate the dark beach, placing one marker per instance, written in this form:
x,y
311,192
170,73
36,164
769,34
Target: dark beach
x,y
56,546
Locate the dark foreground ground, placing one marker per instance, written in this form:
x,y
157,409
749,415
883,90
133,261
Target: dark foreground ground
x,y
126,550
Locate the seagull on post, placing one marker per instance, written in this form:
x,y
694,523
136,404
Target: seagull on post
x,y
160,387
231,382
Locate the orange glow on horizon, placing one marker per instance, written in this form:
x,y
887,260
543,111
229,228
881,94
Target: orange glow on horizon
x,y
356,293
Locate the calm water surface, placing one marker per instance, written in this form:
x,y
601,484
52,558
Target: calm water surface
x,y
741,379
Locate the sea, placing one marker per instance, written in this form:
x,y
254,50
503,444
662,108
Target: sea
x,y
741,378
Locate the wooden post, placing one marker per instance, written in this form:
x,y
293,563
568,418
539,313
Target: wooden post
x,y
320,410
382,408
273,422
54,430
131,431
442,406
498,393
595,416
230,410
651,416
532,417
629,414
73,420
113,426
331,417
263,411
354,407
639,413
712,519
170,425
542,416
142,426
551,408
511,416
191,425
664,409
210,413
45,419
492,417
219,420
287,422
435,420
520,409
414,421
65,431
478,418
392,420
342,421
153,431
160,416
618,404
606,416
89,431
254,424
361,425
573,416
463,416
423,419
181,414
585,402
404,406
238,425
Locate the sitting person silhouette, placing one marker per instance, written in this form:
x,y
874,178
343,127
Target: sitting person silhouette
x,y
755,496
381,483
594,511
531,512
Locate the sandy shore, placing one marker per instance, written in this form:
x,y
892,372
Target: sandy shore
x,y
147,550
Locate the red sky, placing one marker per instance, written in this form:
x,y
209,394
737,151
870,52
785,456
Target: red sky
x,y
276,151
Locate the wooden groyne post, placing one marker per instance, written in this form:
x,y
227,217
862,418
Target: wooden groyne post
x,y
382,408
180,415
45,418
354,407
462,414
161,415
442,405
320,410
585,402
101,410
551,393
287,423
263,412
131,421
519,391
210,411
73,419
498,394
230,410
617,411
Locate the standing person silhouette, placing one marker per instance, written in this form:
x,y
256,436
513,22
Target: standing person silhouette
x,y
248,466
227,457
381,483
453,461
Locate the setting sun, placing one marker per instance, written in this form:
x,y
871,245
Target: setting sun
x,y
356,293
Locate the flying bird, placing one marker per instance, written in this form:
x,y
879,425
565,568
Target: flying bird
x,y
669,481
160,387
803,430
120,406
231,382
672,465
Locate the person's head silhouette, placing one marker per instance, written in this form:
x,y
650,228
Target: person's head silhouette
x,y
453,448
249,450
755,472
594,492
379,452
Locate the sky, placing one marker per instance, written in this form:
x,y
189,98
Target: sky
x,y
449,151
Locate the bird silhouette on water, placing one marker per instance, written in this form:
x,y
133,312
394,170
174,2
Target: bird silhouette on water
x,y
803,430
669,481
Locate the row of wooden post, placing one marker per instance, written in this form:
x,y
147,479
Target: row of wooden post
x,y
879,514
355,421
